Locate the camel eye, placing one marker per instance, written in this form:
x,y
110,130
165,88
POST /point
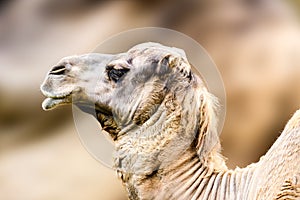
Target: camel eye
x,y
116,74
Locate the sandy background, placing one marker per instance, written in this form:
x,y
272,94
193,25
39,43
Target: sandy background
x,y
255,44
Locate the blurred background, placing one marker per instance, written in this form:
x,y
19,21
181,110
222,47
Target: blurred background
x,y
255,44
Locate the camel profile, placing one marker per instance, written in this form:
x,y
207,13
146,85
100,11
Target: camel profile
x,y
163,122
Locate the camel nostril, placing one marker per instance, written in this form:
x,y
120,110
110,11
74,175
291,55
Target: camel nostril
x,y
58,70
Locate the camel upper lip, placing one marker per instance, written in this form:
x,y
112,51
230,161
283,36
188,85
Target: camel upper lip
x,y
57,96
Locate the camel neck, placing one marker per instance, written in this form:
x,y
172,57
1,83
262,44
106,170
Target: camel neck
x,y
191,179
188,178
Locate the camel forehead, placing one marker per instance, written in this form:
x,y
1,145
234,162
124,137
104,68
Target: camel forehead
x,y
151,49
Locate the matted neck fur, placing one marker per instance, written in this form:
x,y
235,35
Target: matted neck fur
x,y
163,122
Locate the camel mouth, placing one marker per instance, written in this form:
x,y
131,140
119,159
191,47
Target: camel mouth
x,y
52,102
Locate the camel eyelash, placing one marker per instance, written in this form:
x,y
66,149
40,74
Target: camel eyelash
x,y
115,74
129,61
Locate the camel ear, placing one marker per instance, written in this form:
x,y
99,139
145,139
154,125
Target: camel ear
x,y
178,64
207,139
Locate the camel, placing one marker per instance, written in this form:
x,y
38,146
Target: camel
x,y
163,123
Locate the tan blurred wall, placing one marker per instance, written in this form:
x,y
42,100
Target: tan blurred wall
x,y
255,44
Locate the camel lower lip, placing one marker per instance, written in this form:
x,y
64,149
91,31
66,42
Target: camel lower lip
x,y
50,103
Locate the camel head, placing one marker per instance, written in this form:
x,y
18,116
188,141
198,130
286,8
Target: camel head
x,y
148,99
